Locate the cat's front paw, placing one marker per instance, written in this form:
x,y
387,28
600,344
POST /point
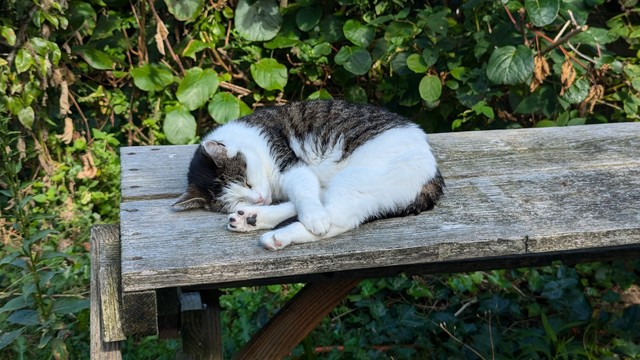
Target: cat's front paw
x,y
318,222
243,220
270,241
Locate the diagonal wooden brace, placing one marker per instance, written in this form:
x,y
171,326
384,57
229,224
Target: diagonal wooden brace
x,y
296,320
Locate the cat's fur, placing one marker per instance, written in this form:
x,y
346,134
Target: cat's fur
x,y
333,164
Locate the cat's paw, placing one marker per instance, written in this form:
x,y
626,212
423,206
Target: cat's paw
x,y
243,220
270,241
318,221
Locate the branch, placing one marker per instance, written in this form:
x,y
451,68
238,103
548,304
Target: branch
x,y
564,39
166,40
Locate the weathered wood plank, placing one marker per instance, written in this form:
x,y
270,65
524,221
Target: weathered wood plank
x,y
109,279
100,350
294,322
509,193
151,172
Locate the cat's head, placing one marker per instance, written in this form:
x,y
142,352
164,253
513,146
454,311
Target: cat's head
x,y
218,181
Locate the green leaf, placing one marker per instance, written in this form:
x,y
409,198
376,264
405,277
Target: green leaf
x,y
8,34
23,61
416,63
106,25
354,59
430,88
510,65
16,304
69,305
269,74
197,87
7,338
577,92
97,59
400,30
358,34
542,12
151,77
430,56
356,94
322,49
331,29
225,107
321,94
546,123
258,20
27,117
184,10
307,18
594,36
194,47
24,317
484,109
179,125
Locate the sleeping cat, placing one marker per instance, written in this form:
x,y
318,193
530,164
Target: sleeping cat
x,y
332,164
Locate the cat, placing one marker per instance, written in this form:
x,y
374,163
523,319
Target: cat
x,y
332,164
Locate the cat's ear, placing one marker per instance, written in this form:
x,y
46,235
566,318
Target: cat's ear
x,y
191,199
216,150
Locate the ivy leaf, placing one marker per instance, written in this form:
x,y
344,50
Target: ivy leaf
x,y
8,34
321,94
430,56
97,59
307,18
225,107
416,63
430,88
594,36
542,12
356,94
510,65
151,77
179,125
269,74
258,20
194,47
358,34
577,92
23,61
27,117
197,87
184,10
354,59
331,29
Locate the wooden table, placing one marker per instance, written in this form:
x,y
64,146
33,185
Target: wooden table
x,y
513,198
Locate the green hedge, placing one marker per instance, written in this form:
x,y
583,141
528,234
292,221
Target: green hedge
x,y
80,78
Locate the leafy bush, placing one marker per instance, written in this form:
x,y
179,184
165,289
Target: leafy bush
x,y
80,78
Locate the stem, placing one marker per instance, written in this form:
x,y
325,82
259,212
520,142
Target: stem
x,y
564,39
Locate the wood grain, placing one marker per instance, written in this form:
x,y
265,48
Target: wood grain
x,y
100,349
509,193
294,322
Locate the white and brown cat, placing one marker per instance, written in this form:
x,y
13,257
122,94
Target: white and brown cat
x,y
329,165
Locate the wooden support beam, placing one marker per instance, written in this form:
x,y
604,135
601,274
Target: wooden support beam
x,y
103,237
296,320
200,325
140,313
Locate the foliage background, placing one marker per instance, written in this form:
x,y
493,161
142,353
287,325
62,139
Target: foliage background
x,y
78,79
